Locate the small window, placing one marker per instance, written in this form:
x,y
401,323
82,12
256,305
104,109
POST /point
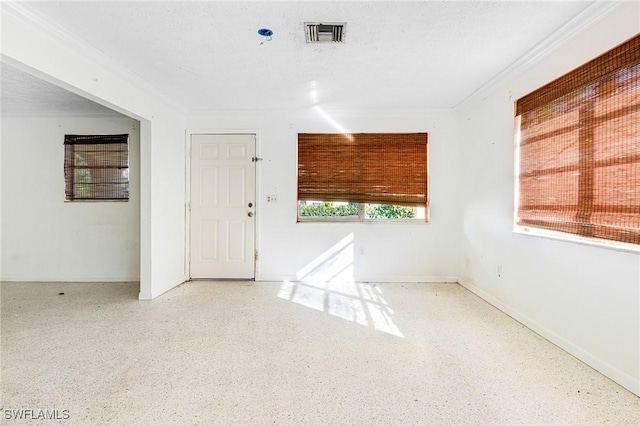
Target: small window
x,y
342,211
96,167
578,141
362,177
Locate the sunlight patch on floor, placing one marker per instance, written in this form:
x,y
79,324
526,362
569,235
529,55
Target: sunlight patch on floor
x,y
327,284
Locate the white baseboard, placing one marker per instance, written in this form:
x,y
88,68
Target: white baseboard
x,y
409,279
623,379
274,277
70,278
377,279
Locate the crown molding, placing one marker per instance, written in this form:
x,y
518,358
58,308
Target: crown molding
x,y
305,111
28,15
57,114
587,18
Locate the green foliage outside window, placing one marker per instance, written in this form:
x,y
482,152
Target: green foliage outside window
x,y
372,211
328,209
387,211
82,179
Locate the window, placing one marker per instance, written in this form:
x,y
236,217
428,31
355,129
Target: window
x,y
96,167
365,176
579,150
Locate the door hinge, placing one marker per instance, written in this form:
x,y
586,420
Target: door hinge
x,y
254,159
256,255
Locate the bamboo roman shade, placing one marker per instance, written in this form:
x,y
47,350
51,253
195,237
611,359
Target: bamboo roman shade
x,y
579,150
381,168
96,167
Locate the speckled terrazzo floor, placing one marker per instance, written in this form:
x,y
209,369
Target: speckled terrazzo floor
x,y
285,353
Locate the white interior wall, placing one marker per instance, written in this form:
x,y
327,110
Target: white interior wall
x,y
47,239
379,252
33,45
167,216
585,299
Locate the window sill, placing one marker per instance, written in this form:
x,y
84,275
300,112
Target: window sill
x,y
562,236
80,200
366,221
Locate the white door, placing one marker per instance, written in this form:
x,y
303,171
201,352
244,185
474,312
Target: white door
x,y
222,206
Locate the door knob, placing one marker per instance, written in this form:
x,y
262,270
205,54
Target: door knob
x,y
250,214
250,204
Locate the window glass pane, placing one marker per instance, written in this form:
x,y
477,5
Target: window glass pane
x,y
327,209
390,211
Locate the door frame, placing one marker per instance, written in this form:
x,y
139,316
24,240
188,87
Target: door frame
x,y
187,204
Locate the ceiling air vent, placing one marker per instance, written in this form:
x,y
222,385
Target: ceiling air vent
x,y
319,33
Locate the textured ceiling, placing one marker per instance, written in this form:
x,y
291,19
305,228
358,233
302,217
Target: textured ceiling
x,y
26,95
401,54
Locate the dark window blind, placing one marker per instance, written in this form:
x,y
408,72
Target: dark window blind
x,y
580,150
96,167
381,168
